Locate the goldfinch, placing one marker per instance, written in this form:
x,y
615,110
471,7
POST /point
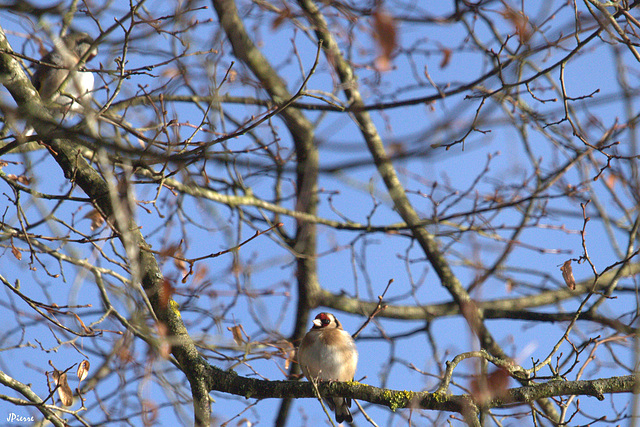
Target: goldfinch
x,y
328,353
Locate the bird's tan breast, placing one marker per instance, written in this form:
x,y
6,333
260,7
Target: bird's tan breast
x,y
328,354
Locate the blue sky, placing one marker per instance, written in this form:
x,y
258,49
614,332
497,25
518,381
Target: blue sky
x,y
349,262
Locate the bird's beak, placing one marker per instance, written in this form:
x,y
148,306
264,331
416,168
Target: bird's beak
x,y
317,323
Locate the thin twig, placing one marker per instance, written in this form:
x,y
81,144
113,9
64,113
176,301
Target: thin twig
x,y
314,381
366,416
379,308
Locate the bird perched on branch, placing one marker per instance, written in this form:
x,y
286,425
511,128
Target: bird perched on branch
x,y
56,65
51,79
328,353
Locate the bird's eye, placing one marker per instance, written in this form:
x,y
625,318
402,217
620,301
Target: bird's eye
x,y
326,321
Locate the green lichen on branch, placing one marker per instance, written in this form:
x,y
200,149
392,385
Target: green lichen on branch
x,y
440,397
398,399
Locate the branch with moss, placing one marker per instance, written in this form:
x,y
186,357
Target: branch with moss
x,y
145,269
465,404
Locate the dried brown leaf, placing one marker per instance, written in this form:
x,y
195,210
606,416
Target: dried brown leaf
x,y
236,331
567,275
83,370
283,15
290,356
16,252
22,179
171,72
64,391
446,57
165,347
171,250
166,293
201,273
469,311
491,386
123,350
179,262
520,23
385,33
96,219
498,382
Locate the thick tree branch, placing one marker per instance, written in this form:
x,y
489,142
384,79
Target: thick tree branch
x,y
251,388
396,190
77,170
48,411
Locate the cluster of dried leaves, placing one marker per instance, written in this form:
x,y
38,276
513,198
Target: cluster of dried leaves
x,y
61,382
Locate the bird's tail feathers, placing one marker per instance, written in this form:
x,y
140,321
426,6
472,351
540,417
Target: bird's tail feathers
x,y
341,408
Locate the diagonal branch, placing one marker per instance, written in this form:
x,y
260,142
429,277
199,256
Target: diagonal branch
x,y
395,188
473,315
77,169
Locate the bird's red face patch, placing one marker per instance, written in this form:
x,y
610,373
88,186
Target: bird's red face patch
x,y
322,320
